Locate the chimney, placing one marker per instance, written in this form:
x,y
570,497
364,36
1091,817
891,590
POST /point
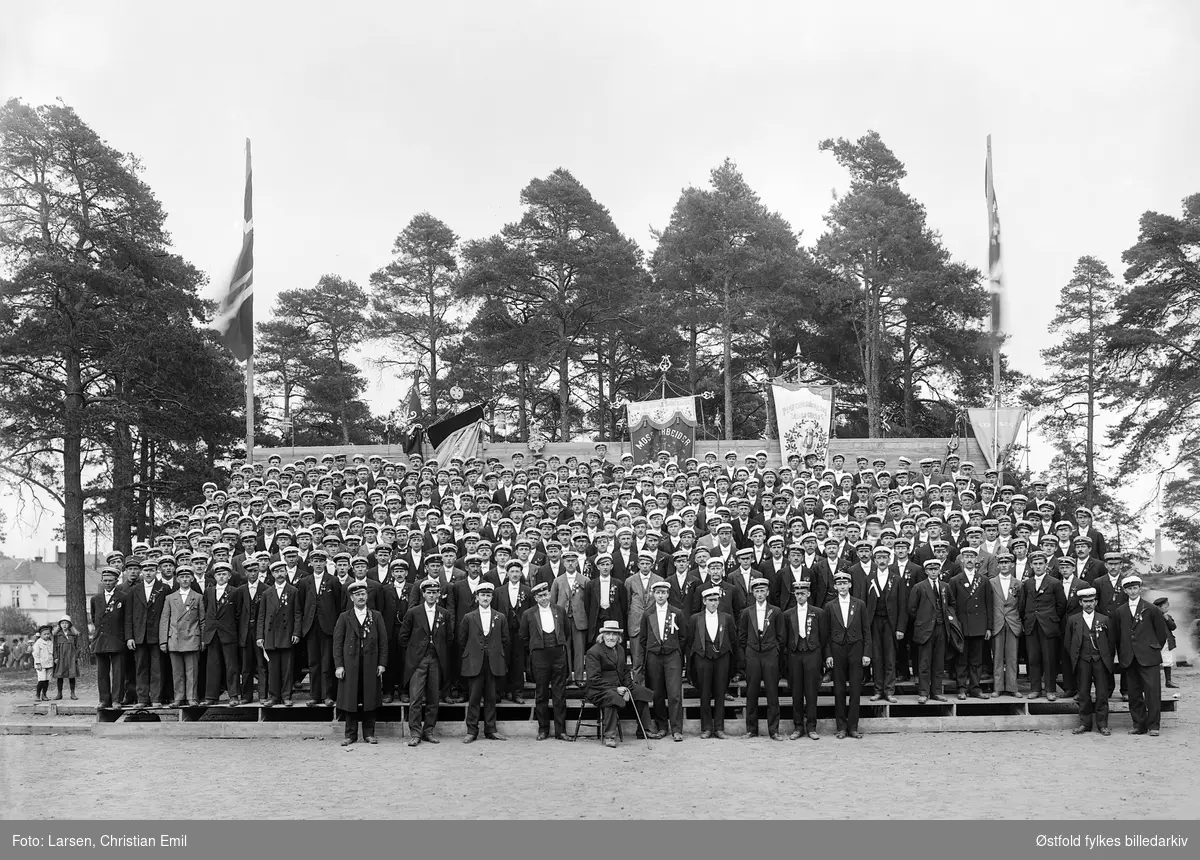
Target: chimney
x,y
60,557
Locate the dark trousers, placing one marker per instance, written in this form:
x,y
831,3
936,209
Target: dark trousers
x,y
110,676
147,660
1042,651
279,673
762,668
712,676
514,678
1090,672
1145,695
549,667
130,695
352,718
481,690
906,654
968,665
804,678
393,675
424,690
931,662
222,666
847,683
1069,680
254,676
664,675
883,655
298,665
320,665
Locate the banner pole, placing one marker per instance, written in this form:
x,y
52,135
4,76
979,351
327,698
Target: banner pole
x,y
250,408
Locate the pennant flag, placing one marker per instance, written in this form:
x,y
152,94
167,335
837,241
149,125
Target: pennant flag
x,y
234,320
803,418
996,430
995,265
456,436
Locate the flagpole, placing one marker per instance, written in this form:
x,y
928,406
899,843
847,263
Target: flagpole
x,y
994,287
249,358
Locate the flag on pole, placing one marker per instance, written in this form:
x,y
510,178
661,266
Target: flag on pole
x,y
457,436
995,265
234,320
412,408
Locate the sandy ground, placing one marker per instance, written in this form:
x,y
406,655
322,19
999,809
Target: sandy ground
x,y
1013,775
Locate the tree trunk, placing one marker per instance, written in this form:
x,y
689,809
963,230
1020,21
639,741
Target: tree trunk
x,y
73,526
871,363
433,345
151,471
614,418
727,367
907,383
564,397
143,466
522,402
122,498
693,362
1089,475
600,404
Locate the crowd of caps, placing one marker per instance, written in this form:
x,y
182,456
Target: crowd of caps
x,y
461,580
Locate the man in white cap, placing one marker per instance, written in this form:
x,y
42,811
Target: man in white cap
x,y
483,644
638,599
610,685
927,605
545,632
1042,606
711,634
806,632
847,653
1090,654
664,632
1139,633
424,638
759,632
360,655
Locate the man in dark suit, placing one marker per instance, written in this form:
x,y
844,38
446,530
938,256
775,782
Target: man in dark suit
x,y
972,595
908,574
1139,633
610,684
711,651
250,660
398,595
511,600
847,653
483,644
360,656
731,601
220,637
1042,607
759,632
664,632
322,602
1090,652
143,609
109,642
927,604
425,640
544,633
278,633
805,636
604,596
887,615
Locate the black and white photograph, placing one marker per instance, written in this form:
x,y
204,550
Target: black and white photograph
x,y
693,413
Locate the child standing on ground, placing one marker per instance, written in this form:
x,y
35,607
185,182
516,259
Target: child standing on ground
x,y
1168,656
66,655
43,661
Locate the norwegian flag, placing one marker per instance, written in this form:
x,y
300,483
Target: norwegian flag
x,y
995,265
234,320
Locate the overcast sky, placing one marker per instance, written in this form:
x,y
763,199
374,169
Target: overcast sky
x,y
363,115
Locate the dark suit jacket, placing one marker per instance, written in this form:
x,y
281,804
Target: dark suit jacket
x,y
531,633
247,612
655,640
618,603
395,607
416,638
1043,607
141,618
1101,639
1139,637
973,604
503,604
749,636
109,620
701,645
1107,597
923,608
857,630
473,645
814,638
220,618
732,602
374,595
277,622
894,597
324,609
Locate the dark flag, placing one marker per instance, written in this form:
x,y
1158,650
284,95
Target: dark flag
x,y
234,320
995,265
456,436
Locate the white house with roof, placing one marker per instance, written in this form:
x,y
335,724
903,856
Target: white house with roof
x,y
39,587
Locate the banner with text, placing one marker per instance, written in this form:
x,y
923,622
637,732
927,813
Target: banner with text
x,y
661,410
803,416
676,436
1000,425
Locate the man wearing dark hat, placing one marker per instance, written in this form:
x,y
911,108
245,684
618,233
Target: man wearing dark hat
x,y
360,655
664,632
425,641
610,685
544,633
1042,606
483,644
109,640
927,605
1090,653
806,633
847,653
1139,632
759,632
711,652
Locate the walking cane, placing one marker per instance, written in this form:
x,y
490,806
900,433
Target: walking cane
x,y
638,715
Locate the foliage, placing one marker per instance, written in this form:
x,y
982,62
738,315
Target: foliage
x,y
16,621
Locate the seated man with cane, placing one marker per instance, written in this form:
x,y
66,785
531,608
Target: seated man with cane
x,y
609,684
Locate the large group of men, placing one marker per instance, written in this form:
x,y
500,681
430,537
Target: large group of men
x,y
431,583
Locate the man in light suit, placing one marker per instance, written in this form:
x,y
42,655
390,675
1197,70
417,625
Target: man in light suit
x,y
483,644
847,653
545,632
1090,651
638,598
567,591
179,635
1006,626
1139,633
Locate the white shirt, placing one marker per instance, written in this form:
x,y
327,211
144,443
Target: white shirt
x,y
1133,606
662,618
605,583
108,596
279,590
253,588
547,617
514,591
149,590
361,615
710,623
760,610
802,617
317,580
430,613
485,618
220,592
1005,584
1089,619
1037,581
844,604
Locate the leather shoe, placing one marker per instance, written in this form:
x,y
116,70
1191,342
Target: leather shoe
x,y
387,700
795,736
878,697
893,700
729,697
962,695
1079,730
939,698
704,736
207,702
346,742
980,695
269,703
678,737
777,737
429,739
330,703
415,740
470,739
567,738
855,735
610,743
371,740
1137,731
813,736
1051,697
922,700
1034,694
1105,731
720,735
311,703
656,735
542,736
841,736
518,699
496,737
1153,733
